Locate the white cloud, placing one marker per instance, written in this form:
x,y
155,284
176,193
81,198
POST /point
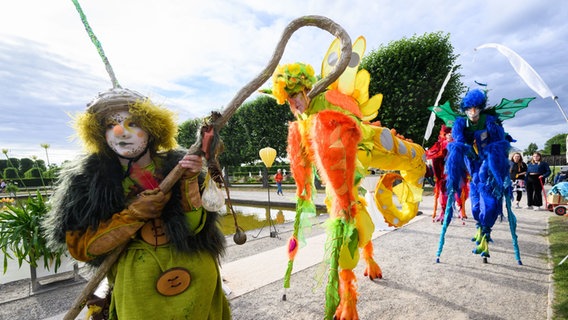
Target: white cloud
x,y
194,56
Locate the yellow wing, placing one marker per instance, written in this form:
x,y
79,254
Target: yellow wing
x,y
331,57
369,107
352,82
346,83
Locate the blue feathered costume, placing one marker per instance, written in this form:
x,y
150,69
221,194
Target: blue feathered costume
x,y
480,148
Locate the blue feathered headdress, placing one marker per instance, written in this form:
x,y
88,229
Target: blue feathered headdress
x,y
474,98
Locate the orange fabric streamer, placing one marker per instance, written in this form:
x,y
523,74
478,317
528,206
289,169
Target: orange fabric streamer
x,y
299,163
344,101
335,138
373,271
347,308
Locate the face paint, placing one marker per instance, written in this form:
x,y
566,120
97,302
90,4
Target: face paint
x,y
473,114
124,136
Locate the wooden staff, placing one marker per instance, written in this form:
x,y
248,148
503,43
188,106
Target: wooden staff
x,y
218,122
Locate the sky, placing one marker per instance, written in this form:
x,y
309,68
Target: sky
x,y
194,56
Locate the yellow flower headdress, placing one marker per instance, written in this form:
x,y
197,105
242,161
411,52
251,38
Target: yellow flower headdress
x,y
290,79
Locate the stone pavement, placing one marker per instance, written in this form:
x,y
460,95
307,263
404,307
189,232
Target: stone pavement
x,y
414,286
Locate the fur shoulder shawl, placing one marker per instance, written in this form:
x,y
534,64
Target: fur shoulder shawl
x,y
89,191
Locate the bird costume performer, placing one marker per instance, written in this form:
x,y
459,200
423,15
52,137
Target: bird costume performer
x,y
332,134
110,196
480,149
117,195
437,154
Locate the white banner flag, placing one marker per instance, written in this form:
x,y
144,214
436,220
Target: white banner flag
x,y
525,71
432,119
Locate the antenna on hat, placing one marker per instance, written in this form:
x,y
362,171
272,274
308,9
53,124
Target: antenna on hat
x,y
97,44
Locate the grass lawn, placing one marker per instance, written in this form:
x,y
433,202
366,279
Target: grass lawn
x,y
558,238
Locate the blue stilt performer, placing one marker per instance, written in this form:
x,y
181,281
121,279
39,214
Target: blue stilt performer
x,y
480,149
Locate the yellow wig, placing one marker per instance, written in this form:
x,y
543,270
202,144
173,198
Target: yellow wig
x,y
158,122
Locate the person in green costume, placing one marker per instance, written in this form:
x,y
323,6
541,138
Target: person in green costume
x,y
110,196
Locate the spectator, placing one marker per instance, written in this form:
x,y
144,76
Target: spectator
x,y
518,173
537,172
278,178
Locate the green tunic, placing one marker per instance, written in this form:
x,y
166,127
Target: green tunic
x,y
135,274
135,297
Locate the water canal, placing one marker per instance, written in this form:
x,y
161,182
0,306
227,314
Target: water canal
x,y
251,217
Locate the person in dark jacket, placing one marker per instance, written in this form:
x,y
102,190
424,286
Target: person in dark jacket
x,y
517,173
537,172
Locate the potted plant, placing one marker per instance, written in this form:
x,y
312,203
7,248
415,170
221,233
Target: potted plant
x,y
21,236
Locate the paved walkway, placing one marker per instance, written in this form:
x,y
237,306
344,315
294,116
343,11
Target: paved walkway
x,y
414,286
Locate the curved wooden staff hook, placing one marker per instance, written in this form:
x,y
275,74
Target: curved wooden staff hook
x,y
218,120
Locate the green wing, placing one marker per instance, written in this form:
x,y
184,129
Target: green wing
x,y
507,108
446,113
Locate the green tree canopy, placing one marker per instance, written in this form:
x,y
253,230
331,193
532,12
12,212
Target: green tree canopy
x,y
13,163
33,173
3,164
557,139
188,132
265,123
40,164
532,148
10,173
25,165
409,73
255,125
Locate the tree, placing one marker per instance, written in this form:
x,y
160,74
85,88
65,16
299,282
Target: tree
x,y
3,165
264,123
188,132
234,139
255,125
13,163
10,173
409,73
532,148
40,164
25,165
557,139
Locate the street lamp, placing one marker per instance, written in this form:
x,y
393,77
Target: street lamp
x,y
267,155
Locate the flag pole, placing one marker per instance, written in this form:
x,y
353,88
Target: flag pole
x,y
555,98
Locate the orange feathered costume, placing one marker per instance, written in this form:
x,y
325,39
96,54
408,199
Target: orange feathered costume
x,y
332,134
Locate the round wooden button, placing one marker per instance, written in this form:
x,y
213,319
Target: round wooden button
x,y
173,281
153,233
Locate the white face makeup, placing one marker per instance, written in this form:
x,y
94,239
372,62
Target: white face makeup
x,y
473,114
124,136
